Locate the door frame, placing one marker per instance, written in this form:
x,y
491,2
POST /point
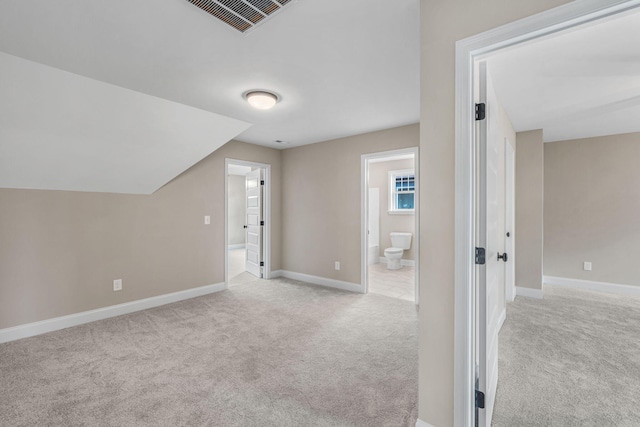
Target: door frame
x,y
266,235
364,209
468,50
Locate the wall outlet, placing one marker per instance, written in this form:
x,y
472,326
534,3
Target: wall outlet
x,y
117,285
337,265
207,220
587,266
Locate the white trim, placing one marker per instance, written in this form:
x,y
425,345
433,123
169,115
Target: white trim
x,y
317,280
57,323
365,159
405,262
611,288
420,423
267,214
468,50
529,293
238,246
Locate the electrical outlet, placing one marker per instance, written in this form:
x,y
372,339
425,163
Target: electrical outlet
x,y
337,265
117,285
207,220
587,266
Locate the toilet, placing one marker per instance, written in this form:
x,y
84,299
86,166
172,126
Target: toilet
x,y
400,242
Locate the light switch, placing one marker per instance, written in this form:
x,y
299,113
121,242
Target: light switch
x,y
207,220
587,266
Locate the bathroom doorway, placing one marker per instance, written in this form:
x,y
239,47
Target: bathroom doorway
x,y
390,223
247,227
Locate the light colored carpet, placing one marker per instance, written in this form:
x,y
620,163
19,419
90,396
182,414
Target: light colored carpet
x,y
278,354
571,359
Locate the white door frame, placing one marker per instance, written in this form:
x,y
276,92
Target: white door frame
x,y
266,237
364,198
468,50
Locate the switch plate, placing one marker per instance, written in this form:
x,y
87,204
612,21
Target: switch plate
x,y
207,220
587,266
117,285
337,265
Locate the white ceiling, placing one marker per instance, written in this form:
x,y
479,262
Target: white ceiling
x,y
61,131
583,83
340,67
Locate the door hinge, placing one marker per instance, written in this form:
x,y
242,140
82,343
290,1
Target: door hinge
x,y
480,111
261,222
262,182
261,263
480,256
479,399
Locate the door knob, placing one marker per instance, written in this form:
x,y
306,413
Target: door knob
x,y
508,234
502,257
244,226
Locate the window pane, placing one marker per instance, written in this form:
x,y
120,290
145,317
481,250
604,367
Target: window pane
x,y
405,201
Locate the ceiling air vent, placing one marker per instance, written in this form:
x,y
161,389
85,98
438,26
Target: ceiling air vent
x,y
242,15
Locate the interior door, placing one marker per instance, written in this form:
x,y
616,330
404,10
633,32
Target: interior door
x,y
487,237
254,224
509,221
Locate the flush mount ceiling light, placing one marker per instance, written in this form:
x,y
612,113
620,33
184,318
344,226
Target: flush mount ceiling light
x,y
261,99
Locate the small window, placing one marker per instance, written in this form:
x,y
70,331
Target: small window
x,y
402,191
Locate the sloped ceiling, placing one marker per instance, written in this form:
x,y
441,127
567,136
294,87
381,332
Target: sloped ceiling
x,y
340,67
61,131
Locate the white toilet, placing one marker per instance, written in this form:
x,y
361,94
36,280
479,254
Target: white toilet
x,y
400,242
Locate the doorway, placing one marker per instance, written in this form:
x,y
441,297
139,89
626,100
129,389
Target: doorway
x,y
468,326
390,223
247,221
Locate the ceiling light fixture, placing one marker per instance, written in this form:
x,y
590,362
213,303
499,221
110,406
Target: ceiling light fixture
x,y
279,141
261,99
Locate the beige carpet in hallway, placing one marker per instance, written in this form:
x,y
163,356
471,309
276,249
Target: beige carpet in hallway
x,y
279,354
570,359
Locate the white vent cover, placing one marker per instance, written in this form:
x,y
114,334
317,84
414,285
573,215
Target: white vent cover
x,y
242,15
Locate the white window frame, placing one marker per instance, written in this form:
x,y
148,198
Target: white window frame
x,y
393,208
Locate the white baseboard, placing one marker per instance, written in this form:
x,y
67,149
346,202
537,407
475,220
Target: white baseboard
x,y
528,292
405,262
420,423
317,280
57,323
238,246
611,288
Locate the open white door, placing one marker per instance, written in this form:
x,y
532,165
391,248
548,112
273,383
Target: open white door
x,y
487,279
509,220
254,222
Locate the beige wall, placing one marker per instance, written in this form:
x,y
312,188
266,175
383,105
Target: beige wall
x,y
379,178
529,209
321,202
592,207
237,208
60,251
442,24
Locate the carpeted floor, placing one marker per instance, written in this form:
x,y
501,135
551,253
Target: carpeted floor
x,y
264,353
571,359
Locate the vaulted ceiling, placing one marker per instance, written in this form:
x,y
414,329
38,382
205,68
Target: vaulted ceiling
x,y
340,68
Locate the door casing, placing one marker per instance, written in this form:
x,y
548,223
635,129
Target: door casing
x,y
469,50
364,204
266,236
